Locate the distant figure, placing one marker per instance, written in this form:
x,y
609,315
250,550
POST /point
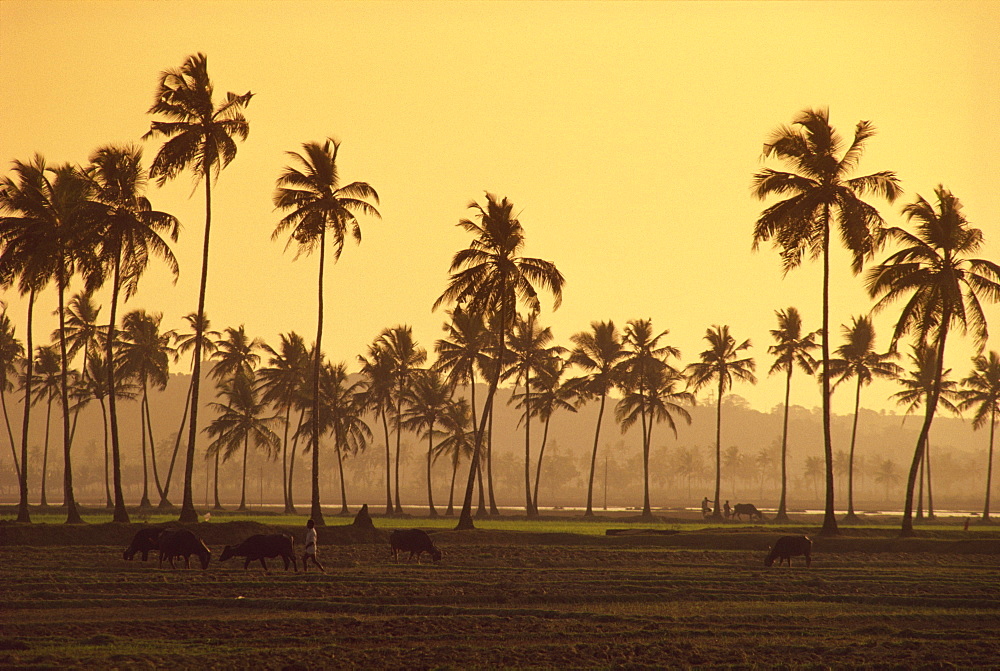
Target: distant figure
x,y
728,511
311,550
966,528
208,517
706,509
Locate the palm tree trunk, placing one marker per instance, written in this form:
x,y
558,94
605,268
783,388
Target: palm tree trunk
x,y
488,412
243,481
188,512
851,517
23,515
388,464
177,444
144,503
284,455
72,514
717,514
647,511
152,451
829,519
45,452
109,502
10,433
920,490
451,489
291,465
593,458
215,484
343,484
481,510
538,471
430,490
782,515
399,439
989,465
930,493
527,445
316,513
121,513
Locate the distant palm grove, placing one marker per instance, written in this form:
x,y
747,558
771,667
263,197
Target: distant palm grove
x,y
435,408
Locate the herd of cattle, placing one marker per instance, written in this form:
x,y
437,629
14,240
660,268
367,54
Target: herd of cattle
x,y
182,544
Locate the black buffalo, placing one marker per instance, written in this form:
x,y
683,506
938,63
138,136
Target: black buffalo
x,y
144,541
261,546
748,509
414,541
175,543
787,547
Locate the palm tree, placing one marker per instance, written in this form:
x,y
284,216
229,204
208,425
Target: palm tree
x,y
96,380
917,389
144,355
316,203
982,393
458,441
857,358
490,278
792,349
720,362
598,351
281,382
427,399
821,193
128,231
201,138
240,420
528,343
83,333
945,287
47,382
379,385
552,394
11,357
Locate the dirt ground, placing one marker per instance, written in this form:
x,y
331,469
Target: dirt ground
x,y
507,600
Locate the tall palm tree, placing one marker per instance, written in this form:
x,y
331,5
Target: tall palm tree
x,y
721,363
821,193
281,382
426,399
528,342
128,232
96,380
489,278
945,289
144,355
459,439
241,419
379,385
201,137
316,203
598,351
552,394
792,349
981,393
11,358
857,358
917,390
47,382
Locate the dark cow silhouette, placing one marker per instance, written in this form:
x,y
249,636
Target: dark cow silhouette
x,y
787,547
748,509
144,541
414,541
261,546
182,543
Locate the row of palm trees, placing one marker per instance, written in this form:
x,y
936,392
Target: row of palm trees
x,y
94,222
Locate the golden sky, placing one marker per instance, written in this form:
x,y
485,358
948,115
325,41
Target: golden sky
x,y
626,135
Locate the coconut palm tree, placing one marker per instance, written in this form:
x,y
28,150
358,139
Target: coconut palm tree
x,y
83,333
489,278
981,393
201,136
552,394
459,440
128,231
281,383
317,205
426,401
721,363
598,351
945,289
857,358
529,344
46,386
792,349
821,193
917,390
241,418
96,381
377,397
11,358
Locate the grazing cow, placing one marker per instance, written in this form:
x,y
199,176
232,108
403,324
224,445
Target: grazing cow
x,y
787,547
261,546
748,509
144,541
414,541
182,543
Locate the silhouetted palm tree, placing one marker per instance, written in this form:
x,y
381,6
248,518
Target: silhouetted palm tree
x,y
458,441
379,385
96,380
489,278
598,351
281,383
820,193
11,359
316,203
242,419
945,288
127,232
857,358
720,363
551,395
48,378
426,399
201,138
792,349
981,393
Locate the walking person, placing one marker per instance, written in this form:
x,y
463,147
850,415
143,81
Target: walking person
x,y
311,550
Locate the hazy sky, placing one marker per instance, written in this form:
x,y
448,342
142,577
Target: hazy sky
x,y
625,134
